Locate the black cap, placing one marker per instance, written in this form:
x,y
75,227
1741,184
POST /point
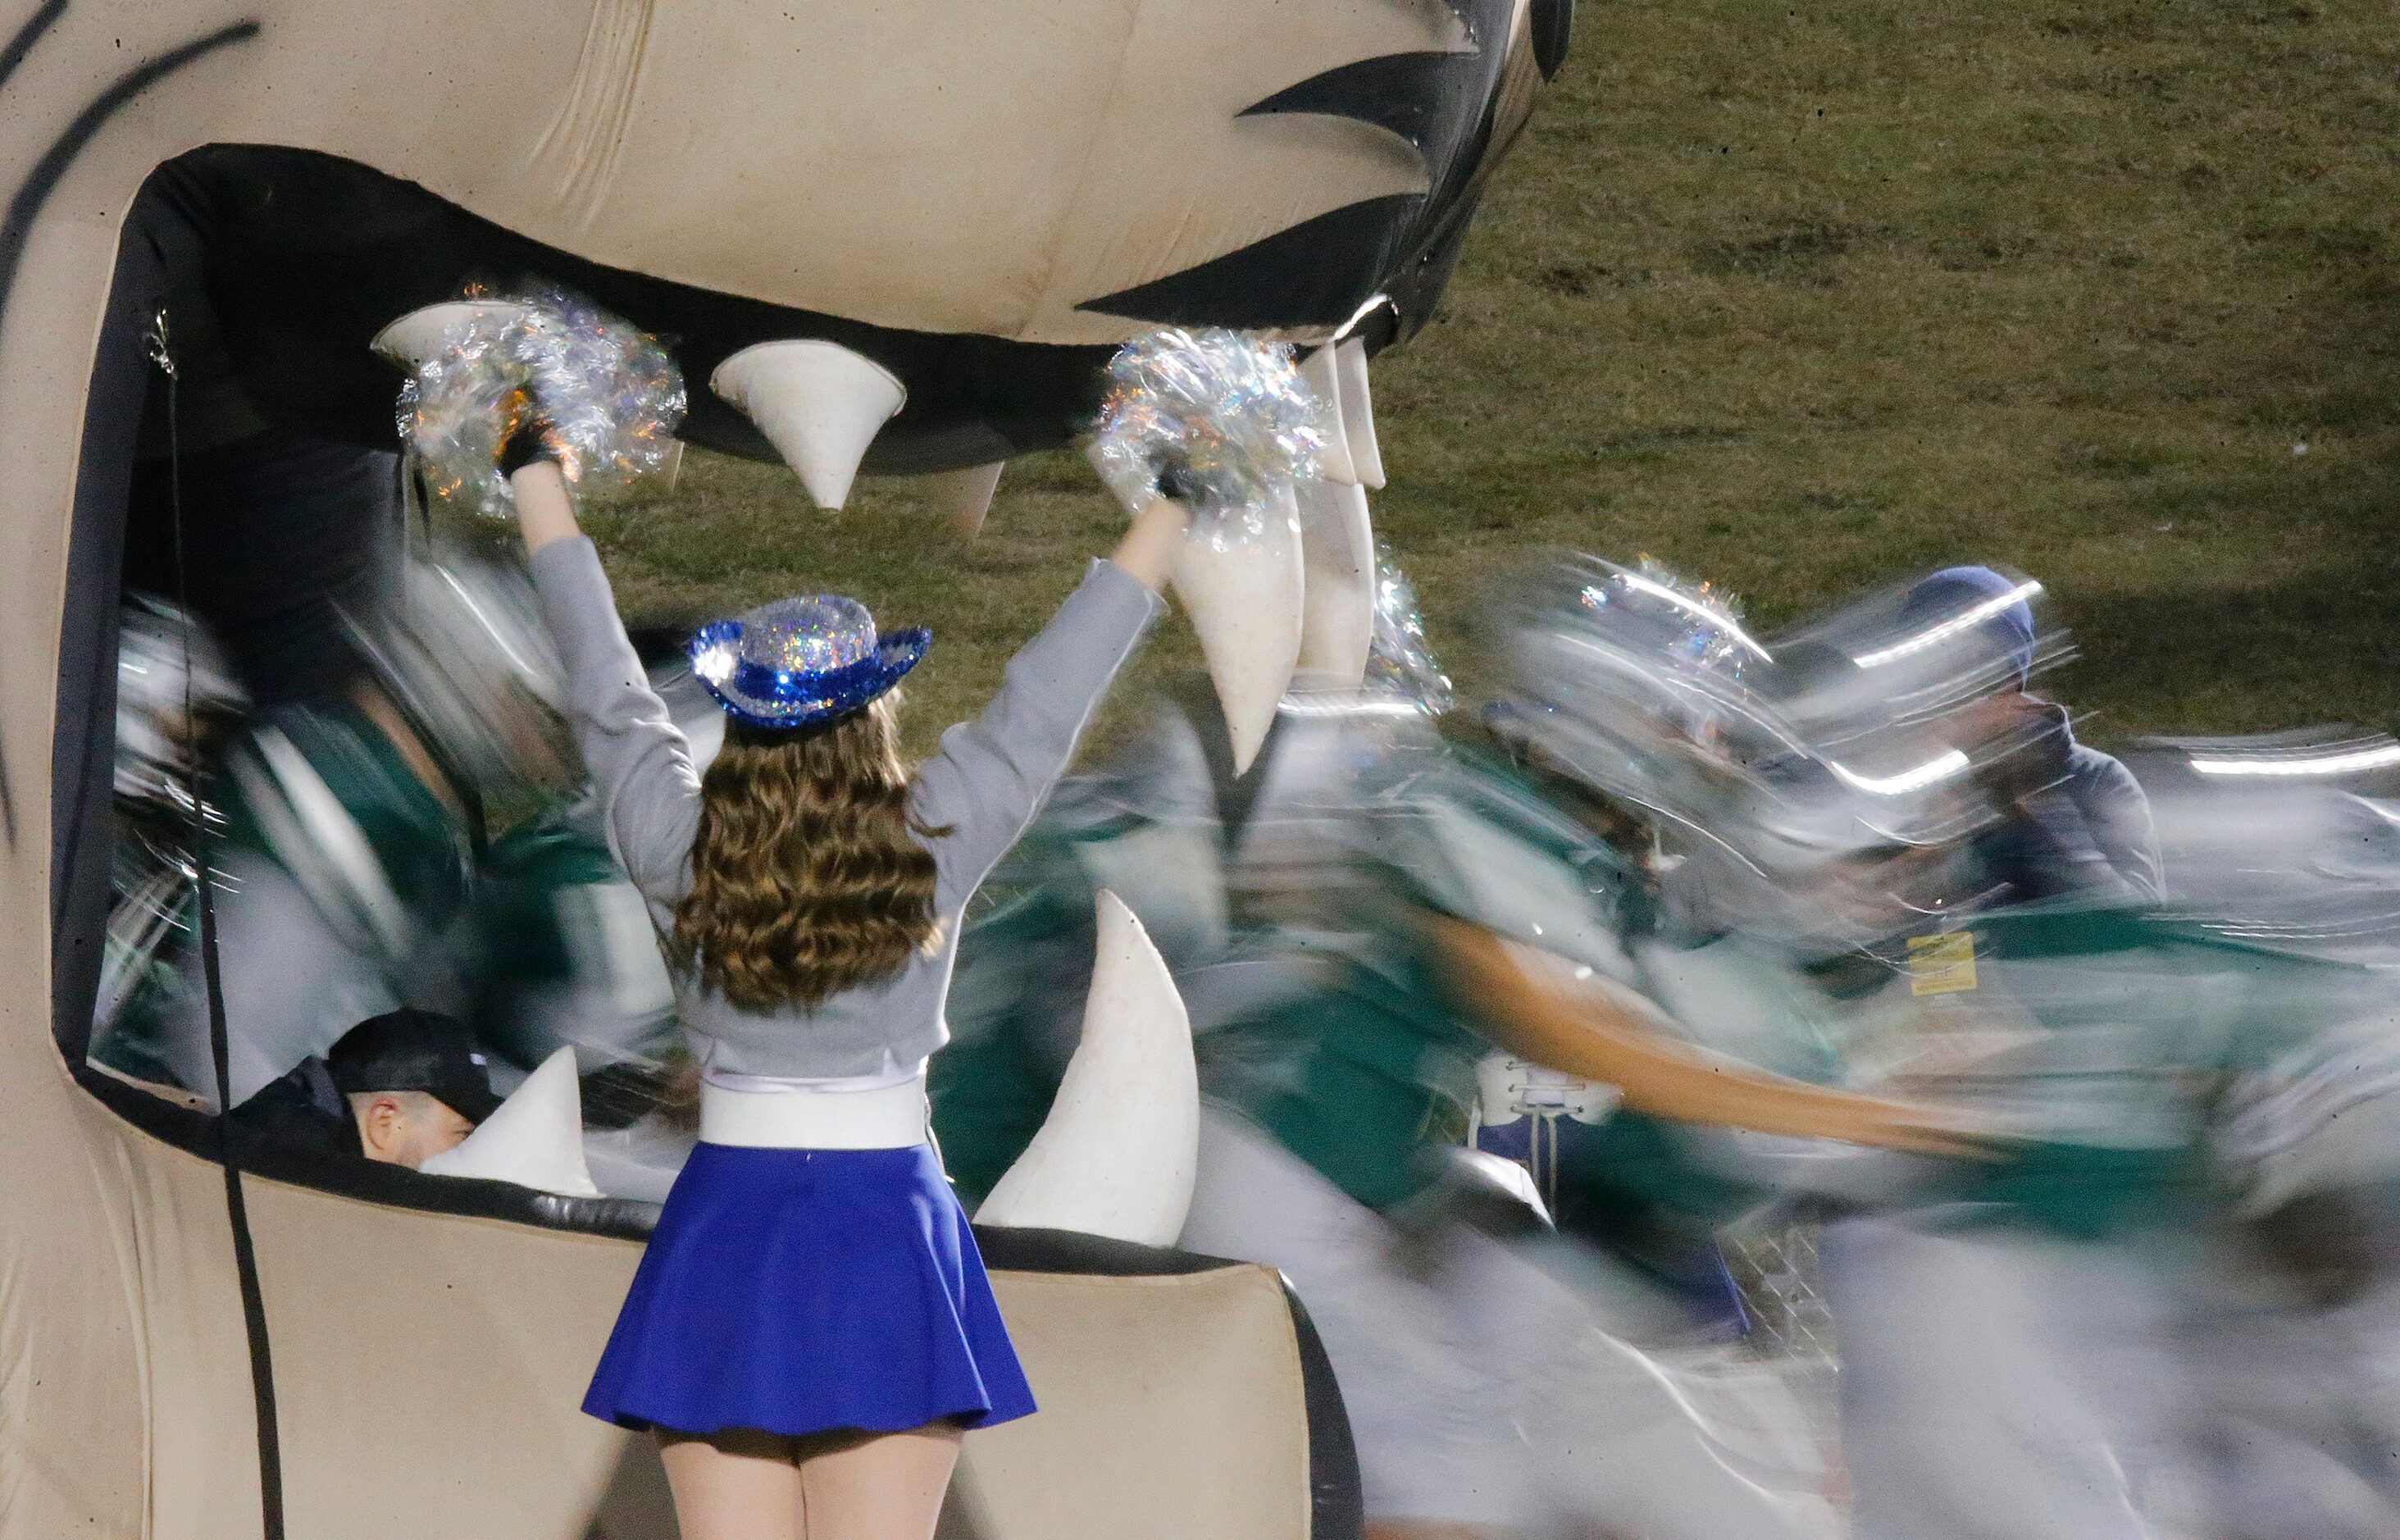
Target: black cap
x,y
412,1050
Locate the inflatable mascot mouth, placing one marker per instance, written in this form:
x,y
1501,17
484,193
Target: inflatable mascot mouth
x,y
980,201
961,209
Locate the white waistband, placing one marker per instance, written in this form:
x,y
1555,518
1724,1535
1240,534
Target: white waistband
x,y
892,1117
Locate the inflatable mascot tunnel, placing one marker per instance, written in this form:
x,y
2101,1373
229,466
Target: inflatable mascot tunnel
x,y
898,239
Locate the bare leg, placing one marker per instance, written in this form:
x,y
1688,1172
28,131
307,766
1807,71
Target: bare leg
x,y
886,1487
734,1487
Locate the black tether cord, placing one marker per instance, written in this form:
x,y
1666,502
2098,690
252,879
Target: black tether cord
x,y
245,1256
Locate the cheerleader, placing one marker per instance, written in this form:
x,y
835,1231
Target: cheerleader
x,y
812,1330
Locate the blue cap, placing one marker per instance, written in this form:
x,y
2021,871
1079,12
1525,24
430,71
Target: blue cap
x,y
1958,588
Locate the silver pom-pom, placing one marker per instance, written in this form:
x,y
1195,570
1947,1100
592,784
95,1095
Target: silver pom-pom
x,y
1401,658
1218,420
610,395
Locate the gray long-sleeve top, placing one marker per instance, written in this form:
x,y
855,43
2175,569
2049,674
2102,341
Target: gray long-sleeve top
x,y
989,779
2117,812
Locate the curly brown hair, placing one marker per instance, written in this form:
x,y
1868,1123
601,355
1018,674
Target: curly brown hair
x,y
807,875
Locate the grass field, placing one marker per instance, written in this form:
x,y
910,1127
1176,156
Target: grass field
x,y
1801,299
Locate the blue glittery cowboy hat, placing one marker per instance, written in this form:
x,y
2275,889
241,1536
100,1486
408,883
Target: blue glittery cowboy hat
x,y
800,662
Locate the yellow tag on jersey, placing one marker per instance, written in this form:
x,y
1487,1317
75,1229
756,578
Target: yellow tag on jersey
x,y
1942,964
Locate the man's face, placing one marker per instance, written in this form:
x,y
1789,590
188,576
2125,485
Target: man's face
x,y
1990,718
406,1127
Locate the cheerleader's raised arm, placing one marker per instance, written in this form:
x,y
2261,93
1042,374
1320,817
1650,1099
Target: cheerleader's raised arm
x,y
640,762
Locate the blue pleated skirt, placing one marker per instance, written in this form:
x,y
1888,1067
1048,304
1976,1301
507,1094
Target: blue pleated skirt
x,y
802,1292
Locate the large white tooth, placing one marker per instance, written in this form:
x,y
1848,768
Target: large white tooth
x,y
819,404
1245,604
535,1139
1117,1154
965,495
1324,380
417,336
1337,546
1359,412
